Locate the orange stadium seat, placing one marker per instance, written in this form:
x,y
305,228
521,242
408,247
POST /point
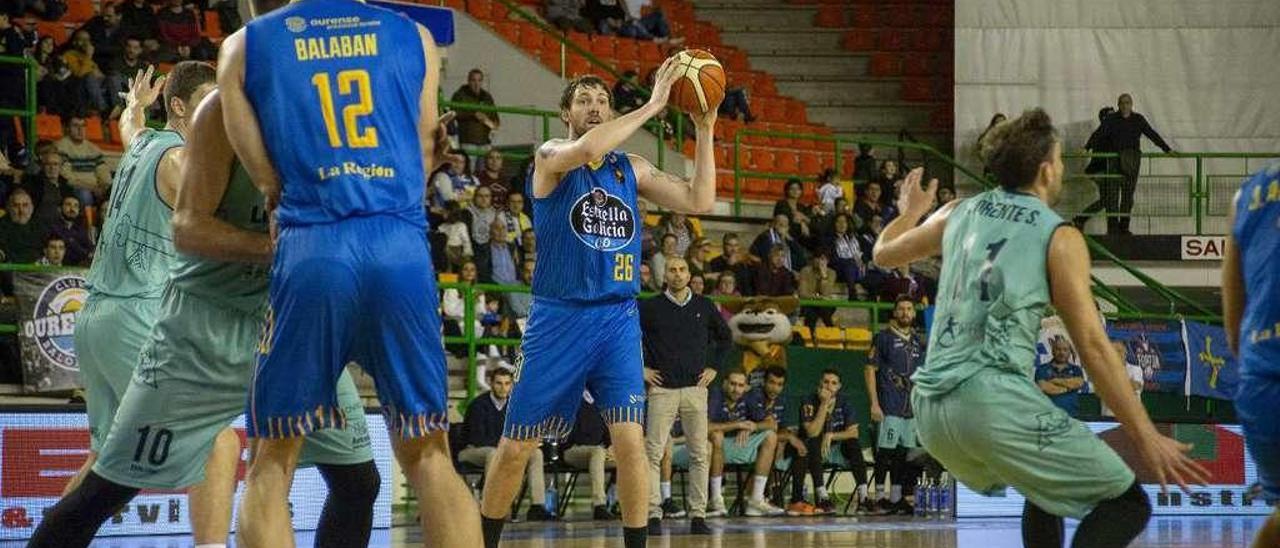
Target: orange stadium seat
x,y
78,11
93,129
48,126
55,29
212,25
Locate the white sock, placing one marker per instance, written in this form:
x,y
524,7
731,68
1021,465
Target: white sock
x,y
895,493
862,492
877,492
822,493
666,489
715,489
757,487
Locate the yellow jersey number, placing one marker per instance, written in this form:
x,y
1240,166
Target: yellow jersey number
x,y
349,81
624,267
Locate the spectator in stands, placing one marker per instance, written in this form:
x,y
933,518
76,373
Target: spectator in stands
x,y
123,68
519,304
483,423
46,190
1124,129
779,234
900,281
869,203
440,184
107,34
139,19
12,83
459,171
566,15
475,128
726,286
790,204
55,251
178,25
53,83
864,165
890,172
773,278
699,256
528,245
458,237
587,448
734,261
79,60
48,10
490,175
1108,187
754,441
818,283
678,224
480,216
945,195
647,282
86,166
453,307
613,17
828,422
519,220
829,190
847,255
662,257
734,106
496,259
685,341
896,351
697,284
71,229
21,236
626,92
1060,379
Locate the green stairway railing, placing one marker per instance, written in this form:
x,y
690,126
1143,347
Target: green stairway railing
x,y
29,111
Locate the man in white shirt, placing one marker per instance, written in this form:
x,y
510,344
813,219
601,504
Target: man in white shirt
x,y
1131,370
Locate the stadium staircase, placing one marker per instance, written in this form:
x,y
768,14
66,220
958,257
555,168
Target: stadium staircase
x,y
797,80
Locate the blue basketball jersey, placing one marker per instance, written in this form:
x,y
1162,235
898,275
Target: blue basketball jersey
x,y
336,86
588,235
1257,233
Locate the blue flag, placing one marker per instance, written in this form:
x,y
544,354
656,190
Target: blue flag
x,y
1157,347
1213,371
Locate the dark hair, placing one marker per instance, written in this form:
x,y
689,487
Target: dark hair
x,y
1106,111
724,240
53,237
848,219
475,71
495,372
790,183
670,235
821,251
1015,149
904,297
183,81
776,371
586,80
830,371
734,371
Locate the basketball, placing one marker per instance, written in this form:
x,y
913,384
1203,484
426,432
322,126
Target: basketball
x,y
701,84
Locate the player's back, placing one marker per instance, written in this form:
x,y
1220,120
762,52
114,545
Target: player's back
x,y
1257,233
993,291
586,231
238,285
133,256
336,87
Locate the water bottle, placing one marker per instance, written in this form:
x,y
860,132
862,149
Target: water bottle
x,y
924,497
553,497
944,504
935,502
611,496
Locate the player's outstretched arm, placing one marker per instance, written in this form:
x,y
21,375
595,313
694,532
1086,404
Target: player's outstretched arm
x,y
205,175
1232,283
558,156
1068,269
241,122
902,241
696,195
143,92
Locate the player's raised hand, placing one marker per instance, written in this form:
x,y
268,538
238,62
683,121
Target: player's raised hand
x,y
1167,458
143,89
440,136
915,198
666,76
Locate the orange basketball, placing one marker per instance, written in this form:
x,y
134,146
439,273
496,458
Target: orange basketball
x,y
701,84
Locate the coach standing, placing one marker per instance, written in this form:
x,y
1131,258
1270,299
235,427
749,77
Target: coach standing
x,y
1123,129
684,335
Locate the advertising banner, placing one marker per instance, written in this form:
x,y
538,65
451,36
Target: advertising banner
x,y
48,303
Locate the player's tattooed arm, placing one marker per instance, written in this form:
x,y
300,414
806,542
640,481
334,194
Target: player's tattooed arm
x,y
695,195
240,121
197,230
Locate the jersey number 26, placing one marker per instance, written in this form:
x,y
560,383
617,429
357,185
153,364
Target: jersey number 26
x,y
624,267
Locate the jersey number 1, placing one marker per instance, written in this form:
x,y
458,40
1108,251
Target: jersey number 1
x,y
347,80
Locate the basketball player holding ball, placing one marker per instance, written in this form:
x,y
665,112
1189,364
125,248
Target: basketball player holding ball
x,y
584,329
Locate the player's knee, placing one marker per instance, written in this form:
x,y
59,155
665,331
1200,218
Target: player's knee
x,y
356,485
275,455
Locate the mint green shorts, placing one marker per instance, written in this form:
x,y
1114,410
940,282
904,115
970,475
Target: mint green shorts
x,y
894,432
109,334
998,429
733,453
191,382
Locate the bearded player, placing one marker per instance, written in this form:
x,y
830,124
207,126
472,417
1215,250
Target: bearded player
x,y
1006,257
1250,291
584,328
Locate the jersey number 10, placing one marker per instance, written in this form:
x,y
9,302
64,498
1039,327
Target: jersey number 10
x,y
349,81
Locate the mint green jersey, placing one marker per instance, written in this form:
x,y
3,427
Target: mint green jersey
x,y
241,286
132,259
993,292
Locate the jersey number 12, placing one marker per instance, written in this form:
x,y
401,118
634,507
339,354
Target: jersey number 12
x,y
349,81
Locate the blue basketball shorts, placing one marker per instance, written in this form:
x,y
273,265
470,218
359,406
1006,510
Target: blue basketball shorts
x,y
1256,404
363,290
568,347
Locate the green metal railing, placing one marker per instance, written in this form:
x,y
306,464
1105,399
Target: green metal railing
x,y
29,112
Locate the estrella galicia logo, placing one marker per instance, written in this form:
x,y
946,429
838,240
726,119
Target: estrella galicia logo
x,y
603,221
53,320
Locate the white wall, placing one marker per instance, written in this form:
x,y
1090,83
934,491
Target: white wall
x,y
1201,71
